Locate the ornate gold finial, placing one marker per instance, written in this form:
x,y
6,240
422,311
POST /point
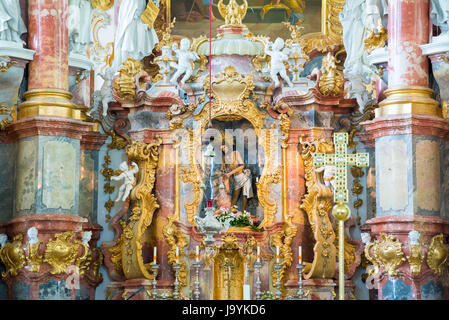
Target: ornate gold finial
x,y
295,33
376,40
166,36
233,13
331,80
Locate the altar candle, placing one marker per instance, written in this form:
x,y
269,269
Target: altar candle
x,y
197,255
300,255
277,254
258,254
154,254
177,255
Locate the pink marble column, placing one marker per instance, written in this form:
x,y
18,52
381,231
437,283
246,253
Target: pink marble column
x,y
48,36
408,25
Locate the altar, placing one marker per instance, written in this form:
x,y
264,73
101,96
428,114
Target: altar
x,y
229,136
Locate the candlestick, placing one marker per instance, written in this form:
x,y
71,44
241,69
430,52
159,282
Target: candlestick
x,y
154,291
154,255
277,254
197,254
278,268
196,291
258,266
176,283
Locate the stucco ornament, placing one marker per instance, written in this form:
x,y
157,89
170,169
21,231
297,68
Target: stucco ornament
x,y
87,235
440,17
32,235
3,239
128,178
104,95
278,56
185,61
80,35
11,23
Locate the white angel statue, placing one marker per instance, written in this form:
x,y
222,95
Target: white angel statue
x,y
128,176
87,235
105,93
185,61
277,61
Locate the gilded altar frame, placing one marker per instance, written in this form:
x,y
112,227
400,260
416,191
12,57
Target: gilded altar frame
x,y
225,107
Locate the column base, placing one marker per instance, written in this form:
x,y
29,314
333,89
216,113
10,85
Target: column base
x,y
409,100
50,103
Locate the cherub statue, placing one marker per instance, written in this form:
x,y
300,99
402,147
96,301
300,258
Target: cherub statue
x,y
128,176
277,61
414,237
32,236
3,239
185,61
105,93
87,235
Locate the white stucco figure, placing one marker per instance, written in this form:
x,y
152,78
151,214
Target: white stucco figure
x,y
80,35
357,69
127,176
366,238
185,61
133,38
414,237
278,56
32,236
87,235
104,96
11,23
440,17
376,10
3,239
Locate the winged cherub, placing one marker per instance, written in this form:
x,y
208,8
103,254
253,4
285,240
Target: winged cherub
x,y
185,61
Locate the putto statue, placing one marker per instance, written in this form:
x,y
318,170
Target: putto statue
x,y
277,61
440,17
128,176
104,96
185,61
80,36
32,236
133,39
87,235
11,23
233,13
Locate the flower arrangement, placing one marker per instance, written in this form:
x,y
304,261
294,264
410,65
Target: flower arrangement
x,y
268,295
238,218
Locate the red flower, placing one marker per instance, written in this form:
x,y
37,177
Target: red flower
x,y
255,220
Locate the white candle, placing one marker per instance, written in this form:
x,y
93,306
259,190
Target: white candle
x,y
300,255
258,254
197,255
154,254
277,254
177,255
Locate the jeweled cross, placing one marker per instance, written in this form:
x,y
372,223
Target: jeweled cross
x,y
341,160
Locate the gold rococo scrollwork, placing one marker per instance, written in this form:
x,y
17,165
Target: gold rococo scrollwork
x,y
317,204
61,252
102,4
386,253
175,238
127,252
13,256
438,254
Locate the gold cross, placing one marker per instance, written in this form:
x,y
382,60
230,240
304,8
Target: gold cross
x,y
341,160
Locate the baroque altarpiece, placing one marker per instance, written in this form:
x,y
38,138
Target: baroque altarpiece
x,y
115,129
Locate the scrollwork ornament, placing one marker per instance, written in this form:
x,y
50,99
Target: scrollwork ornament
x,y
437,255
34,258
175,238
61,252
388,253
13,256
102,4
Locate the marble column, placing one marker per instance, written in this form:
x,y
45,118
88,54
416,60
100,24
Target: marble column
x,y
408,68
48,84
55,165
